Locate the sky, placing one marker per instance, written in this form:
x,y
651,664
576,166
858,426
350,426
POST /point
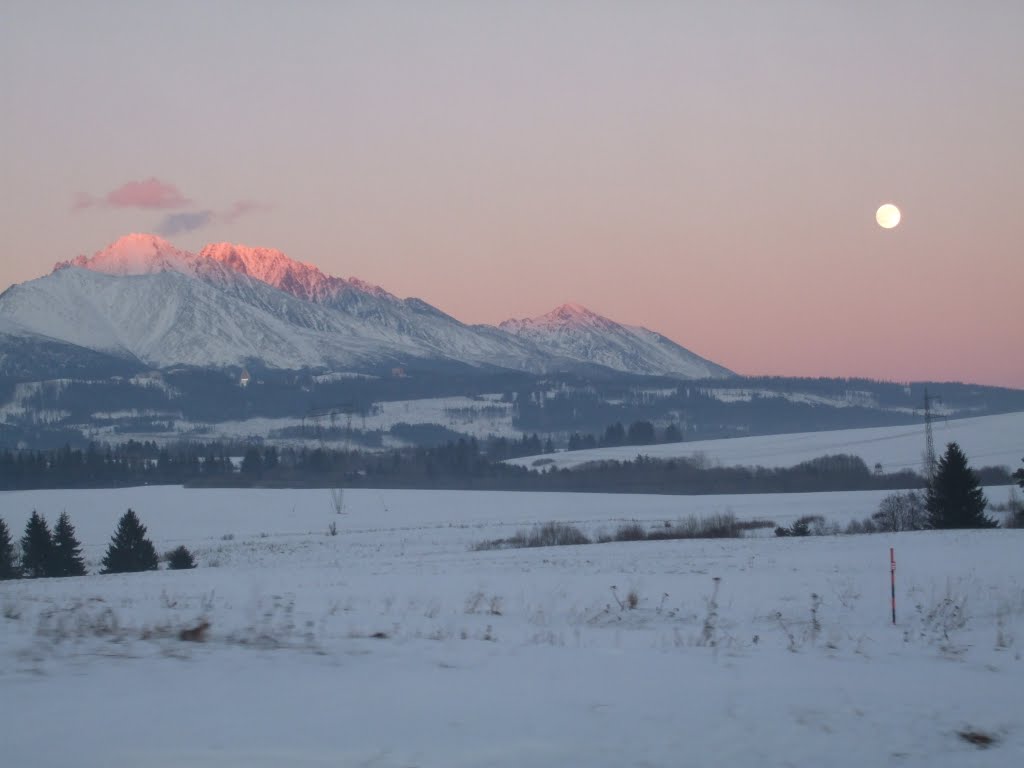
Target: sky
x,y
709,170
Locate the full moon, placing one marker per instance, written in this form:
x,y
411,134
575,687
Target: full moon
x,y
887,216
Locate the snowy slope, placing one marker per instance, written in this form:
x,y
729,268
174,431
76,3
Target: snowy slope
x,y
143,299
167,318
987,440
393,644
413,319
574,332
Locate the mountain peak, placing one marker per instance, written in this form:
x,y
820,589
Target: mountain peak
x,y
133,254
571,311
568,315
269,265
574,332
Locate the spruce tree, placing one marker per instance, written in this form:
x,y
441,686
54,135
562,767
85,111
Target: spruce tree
x,y
955,498
36,547
66,558
180,558
129,549
8,558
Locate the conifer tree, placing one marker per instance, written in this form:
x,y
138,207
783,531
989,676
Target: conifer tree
x,y
130,551
66,557
180,558
955,498
8,559
36,547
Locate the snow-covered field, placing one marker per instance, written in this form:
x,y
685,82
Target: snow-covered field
x,y
987,441
480,417
393,644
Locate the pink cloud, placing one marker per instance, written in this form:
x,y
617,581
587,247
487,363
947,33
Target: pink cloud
x,y
151,193
148,193
83,200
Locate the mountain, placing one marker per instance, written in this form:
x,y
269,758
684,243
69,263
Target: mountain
x,y
144,301
412,320
576,333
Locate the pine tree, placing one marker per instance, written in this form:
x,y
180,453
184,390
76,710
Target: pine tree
x,y
955,498
1019,476
66,558
180,558
8,558
36,547
130,551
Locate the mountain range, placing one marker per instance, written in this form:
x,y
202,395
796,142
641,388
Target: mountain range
x,y
142,301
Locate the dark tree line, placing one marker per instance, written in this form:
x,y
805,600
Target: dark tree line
x,y
463,463
45,554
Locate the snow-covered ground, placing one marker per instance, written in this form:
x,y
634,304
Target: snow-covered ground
x,y
394,644
987,441
480,417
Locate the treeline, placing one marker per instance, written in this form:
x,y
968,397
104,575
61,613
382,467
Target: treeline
x,y
638,433
461,464
42,554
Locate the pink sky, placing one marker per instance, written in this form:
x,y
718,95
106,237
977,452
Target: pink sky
x,y
707,170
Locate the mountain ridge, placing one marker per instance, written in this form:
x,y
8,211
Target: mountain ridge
x,y
143,298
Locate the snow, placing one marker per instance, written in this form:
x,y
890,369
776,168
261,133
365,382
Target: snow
x,y
850,399
479,417
510,657
142,298
574,332
987,441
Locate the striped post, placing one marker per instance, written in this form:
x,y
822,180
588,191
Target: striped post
x,y
892,579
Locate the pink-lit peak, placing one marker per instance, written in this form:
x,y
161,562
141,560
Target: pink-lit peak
x,y
134,254
143,254
275,268
565,316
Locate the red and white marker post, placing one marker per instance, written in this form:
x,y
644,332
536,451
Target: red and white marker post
x,y
892,579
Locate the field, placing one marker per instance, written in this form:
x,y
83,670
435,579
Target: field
x,y
392,643
987,441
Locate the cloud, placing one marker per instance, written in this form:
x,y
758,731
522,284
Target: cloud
x,y
83,200
189,221
241,208
148,193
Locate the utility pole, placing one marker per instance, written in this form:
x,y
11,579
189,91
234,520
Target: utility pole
x,y
929,438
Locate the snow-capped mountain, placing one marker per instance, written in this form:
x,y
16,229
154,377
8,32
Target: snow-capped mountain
x,y
574,332
412,319
143,300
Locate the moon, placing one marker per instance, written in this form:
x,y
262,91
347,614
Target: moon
x,y
887,216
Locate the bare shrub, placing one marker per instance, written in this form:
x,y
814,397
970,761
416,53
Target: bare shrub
x,y
901,512
630,532
809,525
338,500
546,535
1013,510
755,524
709,633
717,526
556,535
855,527
332,529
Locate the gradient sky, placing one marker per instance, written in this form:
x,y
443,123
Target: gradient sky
x,y
709,170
